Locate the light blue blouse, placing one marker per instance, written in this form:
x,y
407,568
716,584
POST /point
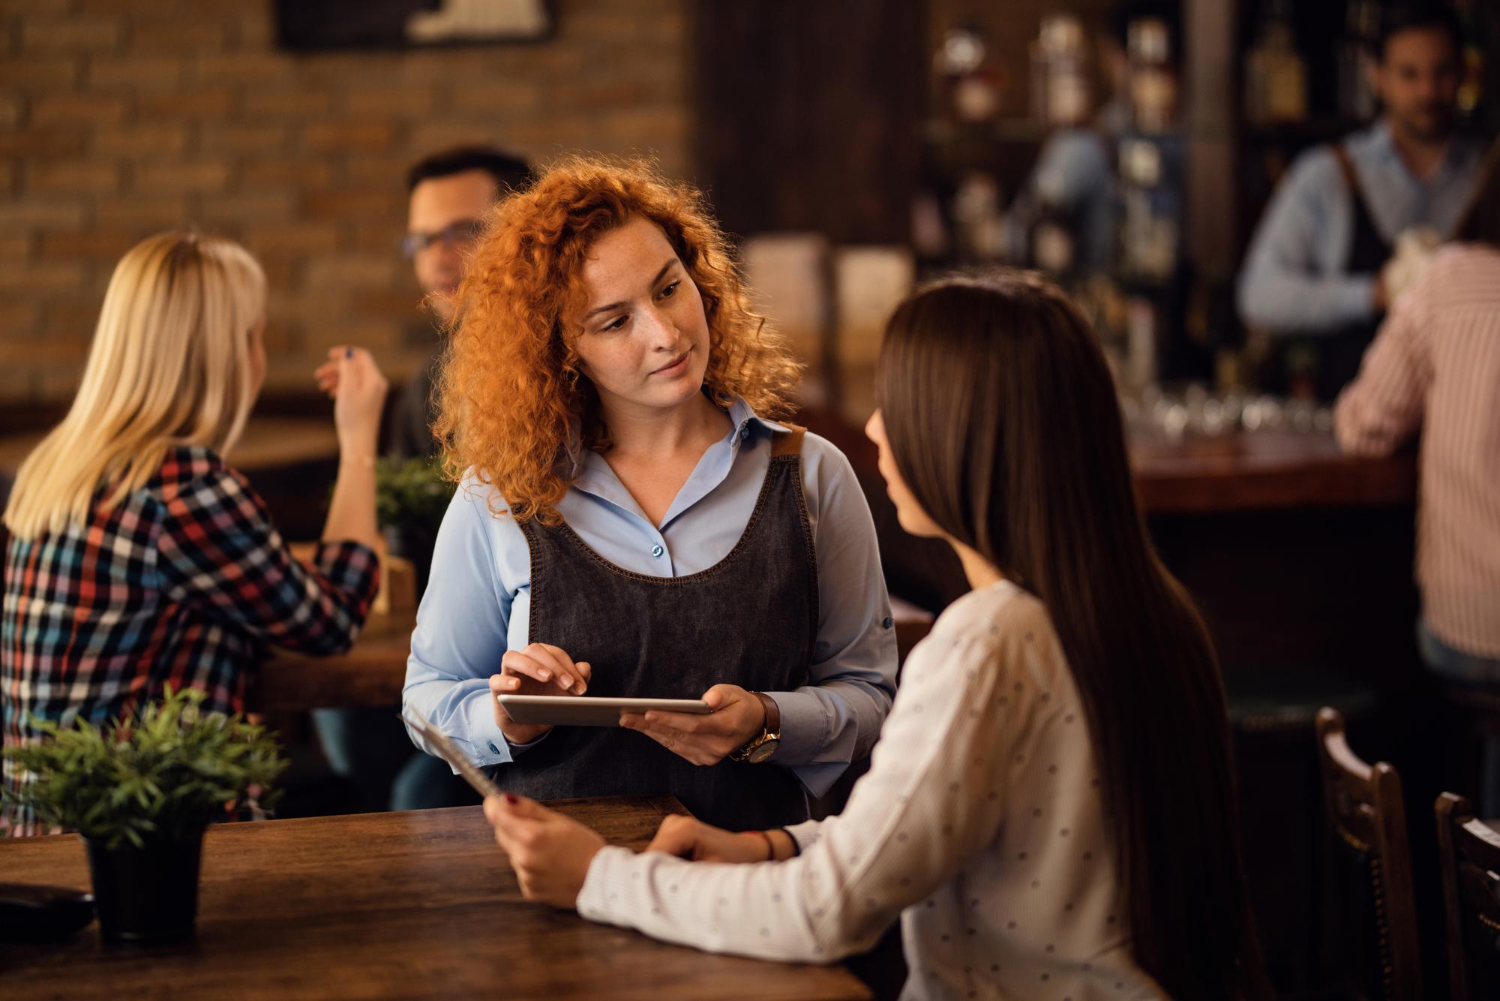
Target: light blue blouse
x,y
477,601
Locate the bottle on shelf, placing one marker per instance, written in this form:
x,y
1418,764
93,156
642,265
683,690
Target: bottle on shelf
x,y
1150,209
969,82
1153,86
1275,74
1149,182
979,229
1356,97
1471,88
1149,161
1059,72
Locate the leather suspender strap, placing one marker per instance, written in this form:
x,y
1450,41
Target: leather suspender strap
x,y
788,442
1351,180
1346,167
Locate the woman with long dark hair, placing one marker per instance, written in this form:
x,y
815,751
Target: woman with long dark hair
x,y
1050,807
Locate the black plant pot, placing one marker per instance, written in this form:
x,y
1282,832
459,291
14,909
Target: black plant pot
x,y
146,895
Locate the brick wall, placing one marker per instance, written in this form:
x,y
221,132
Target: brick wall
x,y
119,118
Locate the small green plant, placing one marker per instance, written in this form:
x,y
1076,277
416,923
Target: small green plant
x,y
410,494
160,775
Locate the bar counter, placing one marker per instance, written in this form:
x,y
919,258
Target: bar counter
x,y
1266,470
1299,556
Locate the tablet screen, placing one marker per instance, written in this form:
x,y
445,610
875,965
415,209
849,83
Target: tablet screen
x,y
584,710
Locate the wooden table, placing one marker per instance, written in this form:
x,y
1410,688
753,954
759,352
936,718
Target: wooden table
x,y
380,905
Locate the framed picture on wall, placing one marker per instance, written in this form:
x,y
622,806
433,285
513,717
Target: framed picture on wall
x,y
316,25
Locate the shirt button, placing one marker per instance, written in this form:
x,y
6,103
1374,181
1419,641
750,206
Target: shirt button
x,y
493,748
887,622
657,551
745,432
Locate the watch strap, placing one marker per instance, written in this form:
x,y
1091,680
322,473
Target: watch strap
x,y
770,732
773,715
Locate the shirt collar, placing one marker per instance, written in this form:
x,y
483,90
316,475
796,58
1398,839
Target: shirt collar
x,y
590,473
1378,143
745,420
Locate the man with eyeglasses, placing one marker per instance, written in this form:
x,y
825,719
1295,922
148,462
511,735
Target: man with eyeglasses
x,y
450,195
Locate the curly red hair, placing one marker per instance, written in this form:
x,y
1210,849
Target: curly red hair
x,y
511,392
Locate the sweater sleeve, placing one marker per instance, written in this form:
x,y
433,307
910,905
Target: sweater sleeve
x,y
934,798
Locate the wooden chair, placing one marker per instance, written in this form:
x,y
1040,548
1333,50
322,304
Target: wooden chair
x,y
1469,850
1367,815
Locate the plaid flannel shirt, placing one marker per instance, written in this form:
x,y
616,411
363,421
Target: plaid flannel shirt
x,y
186,582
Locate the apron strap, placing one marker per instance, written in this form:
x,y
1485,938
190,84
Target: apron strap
x,y
788,442
1346,167
1369,250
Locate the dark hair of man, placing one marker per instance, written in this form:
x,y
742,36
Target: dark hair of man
x,y
1418,16
1480,222
1003,420
511,173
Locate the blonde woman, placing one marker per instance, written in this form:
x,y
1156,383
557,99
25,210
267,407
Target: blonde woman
x,y
139,558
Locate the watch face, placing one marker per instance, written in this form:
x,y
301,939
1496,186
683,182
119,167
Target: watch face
x,y
760,752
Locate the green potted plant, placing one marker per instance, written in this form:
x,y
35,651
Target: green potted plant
x,y
140,791
411,497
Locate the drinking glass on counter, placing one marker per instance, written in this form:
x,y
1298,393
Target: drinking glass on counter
x,y
1156,412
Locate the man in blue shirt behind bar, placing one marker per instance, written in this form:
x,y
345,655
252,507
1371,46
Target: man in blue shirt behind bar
x,y
1314,266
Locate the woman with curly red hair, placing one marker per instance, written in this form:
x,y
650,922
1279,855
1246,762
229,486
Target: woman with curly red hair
x,y
632,519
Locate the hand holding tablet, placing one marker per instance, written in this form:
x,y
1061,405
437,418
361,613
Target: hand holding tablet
x,y
539,687
537,669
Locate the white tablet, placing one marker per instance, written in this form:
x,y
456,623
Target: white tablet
x,y
587,710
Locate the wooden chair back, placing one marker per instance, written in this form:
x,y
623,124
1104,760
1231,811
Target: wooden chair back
x,y
1368,819
1469,850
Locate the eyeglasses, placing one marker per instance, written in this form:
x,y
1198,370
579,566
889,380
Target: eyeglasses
x,y
455,234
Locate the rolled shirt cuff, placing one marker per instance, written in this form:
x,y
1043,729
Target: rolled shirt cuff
x,y
486,743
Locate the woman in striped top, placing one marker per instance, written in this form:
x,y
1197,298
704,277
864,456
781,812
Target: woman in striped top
x,y
1436,364
139,558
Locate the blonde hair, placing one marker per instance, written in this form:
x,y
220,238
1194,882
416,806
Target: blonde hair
x,y
169,366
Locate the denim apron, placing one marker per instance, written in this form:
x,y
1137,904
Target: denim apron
x,y
749,620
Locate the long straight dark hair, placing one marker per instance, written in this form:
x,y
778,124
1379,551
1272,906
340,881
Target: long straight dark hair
x,y
1003,420
1480,222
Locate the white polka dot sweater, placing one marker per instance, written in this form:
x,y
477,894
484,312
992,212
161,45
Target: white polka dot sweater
x,y
980,823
